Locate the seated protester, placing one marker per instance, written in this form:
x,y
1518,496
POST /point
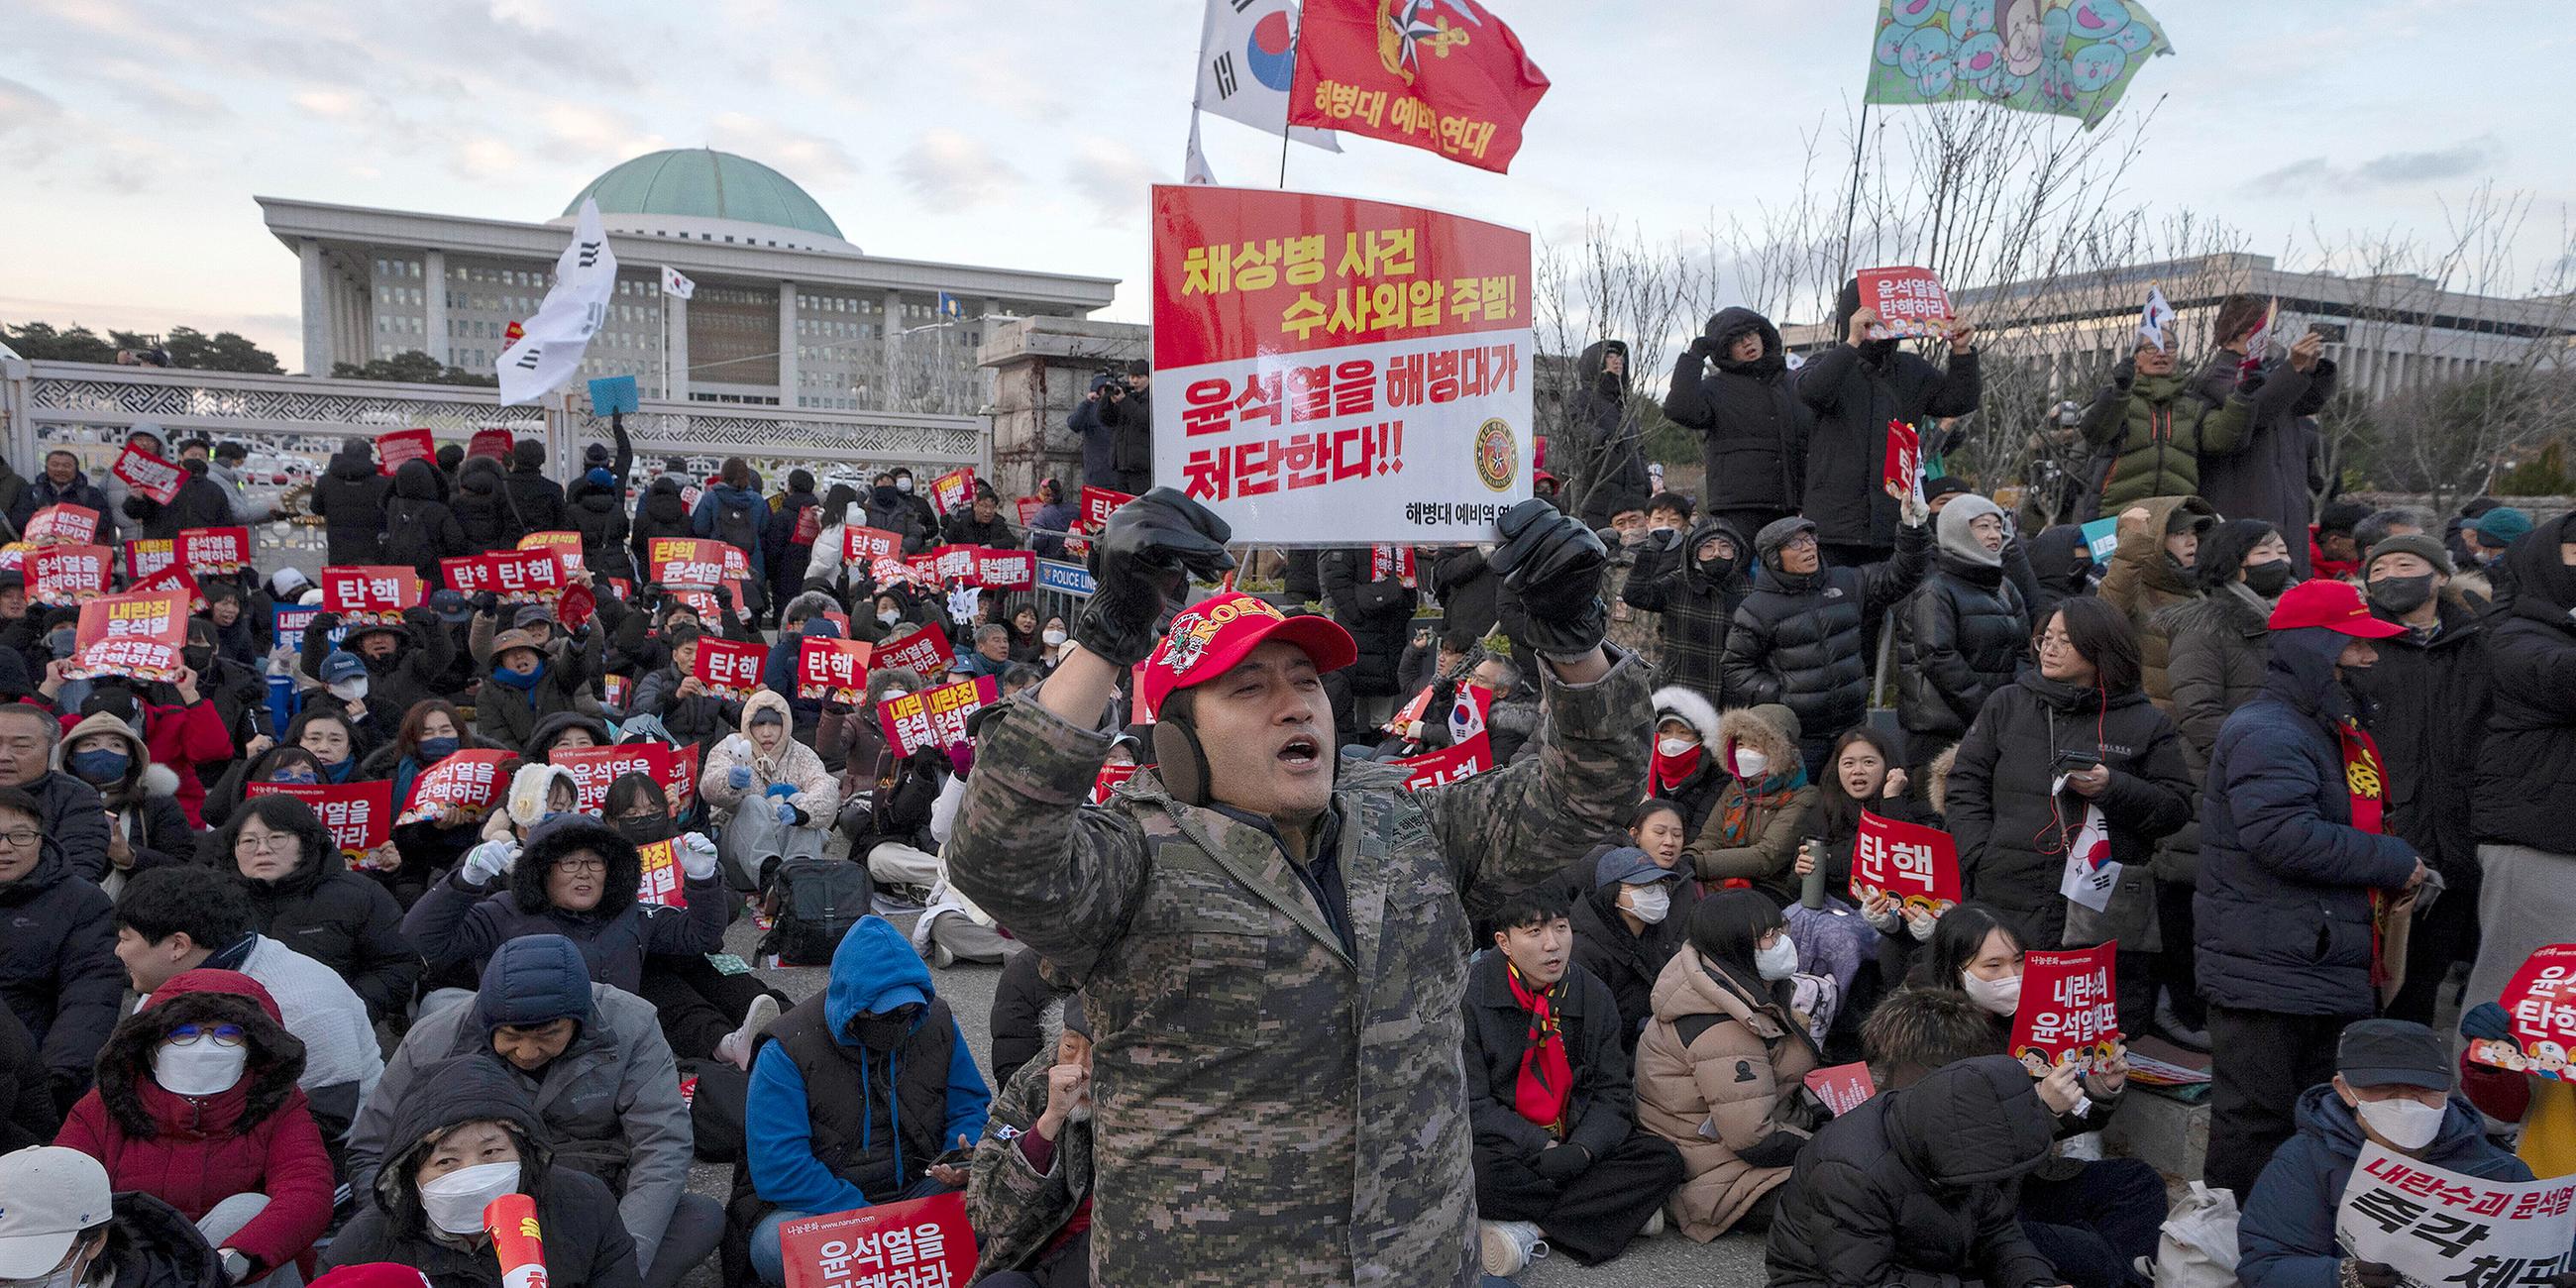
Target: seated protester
x,y
566,731
1895,1192
63,1223
58,969
68,810
1721,1071
2154,568
1017,1025
866,1093
239,694
524,687
303,895
887,799
1057,639
770,791
400,664
1965,631
1022,677
464,1136
1865,774
431,731
1685,770
695,1002
196,1105
2391,1088
1655,829
1026,647
991,654
1559,1156
333,741
177,919
575,877
1751,833
27,1112
1624,933
679,699
237,632
951,927
1028,1193
605,1087
345,694
145,826
1800,638
180,732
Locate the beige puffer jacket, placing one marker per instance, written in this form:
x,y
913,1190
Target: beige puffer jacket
x,y
1741,1074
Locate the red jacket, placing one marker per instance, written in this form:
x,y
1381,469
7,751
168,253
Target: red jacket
x,y
257,1137
178,738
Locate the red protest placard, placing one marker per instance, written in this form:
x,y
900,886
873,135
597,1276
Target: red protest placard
x,y
136,635
468,780
360,815
935,717
172,581
370,593
565,546
729,668
918,1242
397,448
490,442
2066,1013
1374,388
209,552
148,474
1917,866
468,575
661,883
923,650
594,768
613,690
518,1244
952,490
1447,765
63,524
1449,79
525,576
832,670
1027,508
2540,1004
1098,503
1903,472
67,574
696,563
1005,569
1842,1087
954,563
1108,779
1909,301
867,545
146,556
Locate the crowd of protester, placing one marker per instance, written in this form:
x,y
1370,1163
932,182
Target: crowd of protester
x,y
238,1051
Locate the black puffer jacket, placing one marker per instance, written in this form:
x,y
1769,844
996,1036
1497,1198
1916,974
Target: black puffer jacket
x,y
661,512
350,496
1752,426
155,1247
456,924
483,508
2217,648
1468,591
1961,636
1854,392
58,968
27,1112
419,528
540,500
201,502
1601,1110
1375,612
1797,638
2434,698
413,672
2527,772
2266,477
1698,602
598,513
1627,965
2013,835
1610,437
1915,1188
344,921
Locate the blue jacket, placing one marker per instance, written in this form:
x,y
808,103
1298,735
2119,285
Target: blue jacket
x,y
2283,903
2286,1237
874,970
1059,517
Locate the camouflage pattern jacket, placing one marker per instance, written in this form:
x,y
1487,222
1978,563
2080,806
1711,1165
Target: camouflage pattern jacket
x,y
1015,1211
1272,1109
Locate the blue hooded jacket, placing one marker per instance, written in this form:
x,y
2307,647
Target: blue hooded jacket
x,y
875,970
2286,1237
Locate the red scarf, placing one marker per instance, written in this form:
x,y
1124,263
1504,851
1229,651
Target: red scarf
x,y
1670,772
1547,1078
2365,775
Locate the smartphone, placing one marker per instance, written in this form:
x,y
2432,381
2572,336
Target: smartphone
x,y
2330,332
2072,760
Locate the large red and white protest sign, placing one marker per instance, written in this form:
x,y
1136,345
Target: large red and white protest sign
x,y
495,443
924,650
1027,508
148,556
935,717
661,881
564,546
954,490
1098,503
518,1243
1914,865
467,780
63,524
67,574
400,447
525,576
467,575
211,551
1107,780
1902,476
729,668
149,474
1005,569
867,545
1450,79
918,1243
1447,765
360,815
2540,1004
594,768
955,563
173,580
832,670
370,593
1909,301
138,635
2438,1228
696,563
1843,1088
2066,1015
1340,371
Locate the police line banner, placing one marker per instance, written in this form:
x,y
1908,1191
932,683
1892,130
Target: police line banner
x,y
2436,1227
1337,371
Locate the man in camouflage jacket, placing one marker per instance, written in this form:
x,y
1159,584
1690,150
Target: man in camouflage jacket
x,y
1273,939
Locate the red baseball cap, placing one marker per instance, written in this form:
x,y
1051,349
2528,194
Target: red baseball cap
x,y
2335,605
1208,638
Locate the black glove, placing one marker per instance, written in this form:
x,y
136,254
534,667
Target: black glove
x,y
724,596
1607,384
652,594
1561,1163
2370,1274
1143,562
487,604
1554,564
1703,348
326,622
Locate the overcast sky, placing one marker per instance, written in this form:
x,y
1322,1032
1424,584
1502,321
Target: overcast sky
x,y
1024,132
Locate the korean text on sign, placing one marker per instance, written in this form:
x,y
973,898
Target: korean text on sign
x,y
661,879
135,634
2066,1015
594,768
2540,1006
2441,1229
923,650
1909,301
729,668
360,815
934,717
1914,865
921,1243
67,574
466,780
832,670
370,593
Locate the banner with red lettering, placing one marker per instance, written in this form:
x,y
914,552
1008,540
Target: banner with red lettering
x,y
149,474
1391,561
917,1243
953,490
2434,1228
67,574
935,717
867,545
2540,1005
63,524
1902,476
2066,1015
468,780
146,556
1027,508
565,546
1909,301
131,635
400,447
594,768
209,552
1448,78
1447,765
173,580
661,883
729,668
832,670
923,650
1914,865
696,563
955,563
1843,1088
360,815
1005,569
490,442
613,690
1107,780
1368,380
1098,503
370,594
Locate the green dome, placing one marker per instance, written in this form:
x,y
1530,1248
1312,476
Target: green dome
x,y
703,183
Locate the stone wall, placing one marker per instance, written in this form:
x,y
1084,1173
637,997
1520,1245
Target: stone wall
x,y
1041,368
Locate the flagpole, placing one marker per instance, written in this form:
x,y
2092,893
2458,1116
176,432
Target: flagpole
x,y
1294,35
1851,208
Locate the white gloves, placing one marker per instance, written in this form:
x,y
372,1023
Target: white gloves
x,y
697,855
488,860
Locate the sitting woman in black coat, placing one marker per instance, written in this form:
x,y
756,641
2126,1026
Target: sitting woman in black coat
x,y
305,897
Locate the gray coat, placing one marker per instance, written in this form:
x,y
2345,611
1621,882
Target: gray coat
x,y
2266,477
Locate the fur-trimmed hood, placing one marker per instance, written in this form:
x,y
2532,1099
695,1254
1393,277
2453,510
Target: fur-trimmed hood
x,y
202,996
1936,779
767,700
1697,712
1771,729
142,777
556,839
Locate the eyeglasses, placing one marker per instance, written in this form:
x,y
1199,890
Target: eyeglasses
x,y
229,1035
2054,639
582,865
247,844
21,840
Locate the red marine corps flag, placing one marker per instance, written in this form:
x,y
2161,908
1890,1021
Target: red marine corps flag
x,y
1443,75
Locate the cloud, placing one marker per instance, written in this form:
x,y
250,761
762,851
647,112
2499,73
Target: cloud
x,y
946,168
585,132
806,158
330,102
2387,170
483,157
1112,177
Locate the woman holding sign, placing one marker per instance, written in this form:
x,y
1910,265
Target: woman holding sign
x,y
303,895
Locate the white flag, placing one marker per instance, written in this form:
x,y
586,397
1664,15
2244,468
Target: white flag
x,y
676,286
575,306
2156,321
1194,167
1247,57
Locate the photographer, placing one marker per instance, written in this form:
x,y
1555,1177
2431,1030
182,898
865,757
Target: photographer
x,y
1127,413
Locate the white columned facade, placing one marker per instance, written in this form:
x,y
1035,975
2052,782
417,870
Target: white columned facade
x,y
316,295
433,279
790,392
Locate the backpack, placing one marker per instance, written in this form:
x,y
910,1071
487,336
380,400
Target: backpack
x,y
817,901
737,523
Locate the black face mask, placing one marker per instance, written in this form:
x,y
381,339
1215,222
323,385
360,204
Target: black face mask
x,y
197,468
884,494
199,660
884,1032
644,829
2268,580
2402,595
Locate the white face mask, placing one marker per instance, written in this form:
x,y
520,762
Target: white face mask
x,y
1997,996
892,694
1750,764
903,485
1674,746
201,1067
455,1202
70,1276
1652,903
1779,961
2407,1124
350,690
889,617
1052,638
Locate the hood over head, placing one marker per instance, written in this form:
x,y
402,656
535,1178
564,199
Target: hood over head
x,y
449,1094
1696,711
1770,728
563,836
2544,587
2301,671
2060,557
1847,303
769,700
663,502
142,777
416,481
1705,576
875,970
480,475
1730,323
1587,367
1973,1122
1961,545
199,997
353,462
